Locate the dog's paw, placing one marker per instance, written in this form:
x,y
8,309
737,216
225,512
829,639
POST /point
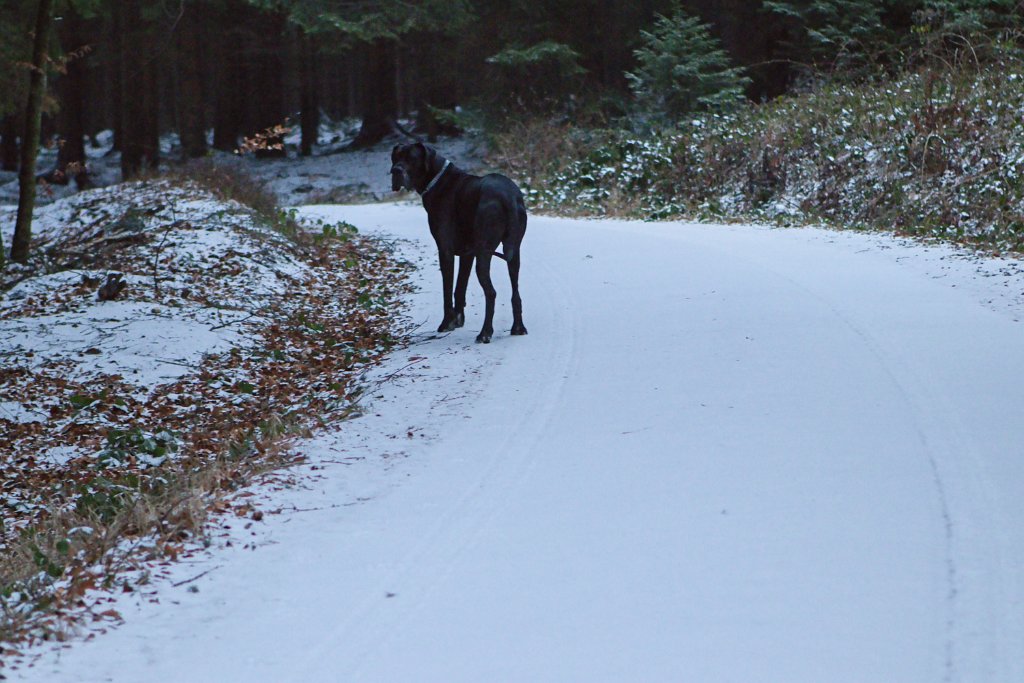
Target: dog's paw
x,y
452,322
483,338
518,329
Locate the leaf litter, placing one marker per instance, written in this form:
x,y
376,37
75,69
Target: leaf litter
x,y
161,350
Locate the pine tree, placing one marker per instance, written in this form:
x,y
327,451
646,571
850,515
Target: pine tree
x,y
537,77
15,45
683,68
943,24
842,36
189,57
856,37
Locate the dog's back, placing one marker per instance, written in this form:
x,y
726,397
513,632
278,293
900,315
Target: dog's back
x,y
489,210
503,190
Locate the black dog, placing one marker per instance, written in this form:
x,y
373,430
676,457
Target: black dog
x,y
469,217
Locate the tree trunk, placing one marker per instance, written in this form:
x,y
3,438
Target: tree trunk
x,y
231,78
266,60
131,60
115,62
140,94
150,129
191,123
71,119
9,143
379,102
310,96
352,105
433,91
30,141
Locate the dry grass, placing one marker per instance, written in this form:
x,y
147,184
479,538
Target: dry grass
x,y
229,182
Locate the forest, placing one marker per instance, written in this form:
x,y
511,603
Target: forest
x,y
219,72
240,67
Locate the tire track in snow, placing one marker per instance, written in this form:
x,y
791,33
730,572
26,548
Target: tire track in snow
x,y
950,456
394,641
555,326
445,558
918,416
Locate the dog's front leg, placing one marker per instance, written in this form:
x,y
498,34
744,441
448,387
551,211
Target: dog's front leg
x,y
465,269
447,260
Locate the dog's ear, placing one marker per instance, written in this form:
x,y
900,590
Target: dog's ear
x,y
429,154
394,152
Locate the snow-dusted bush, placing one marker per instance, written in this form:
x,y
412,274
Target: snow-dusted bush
x,y
857,38
935,153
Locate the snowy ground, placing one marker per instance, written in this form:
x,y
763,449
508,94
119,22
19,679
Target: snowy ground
x,y
722,454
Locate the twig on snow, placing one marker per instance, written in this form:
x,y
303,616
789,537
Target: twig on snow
x,y
233,322
195,578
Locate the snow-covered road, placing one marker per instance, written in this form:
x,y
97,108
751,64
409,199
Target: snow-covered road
x,y
722,454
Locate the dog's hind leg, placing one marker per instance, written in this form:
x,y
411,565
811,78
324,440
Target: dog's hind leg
x,y
465,268
483,273
512,250
517,303
489,229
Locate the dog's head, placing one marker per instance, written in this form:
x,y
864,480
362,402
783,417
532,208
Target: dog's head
x,y
413,166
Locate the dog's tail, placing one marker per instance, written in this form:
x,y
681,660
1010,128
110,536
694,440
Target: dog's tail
x,y
516,216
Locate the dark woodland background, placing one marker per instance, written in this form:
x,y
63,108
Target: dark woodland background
x,y
238,67
140,67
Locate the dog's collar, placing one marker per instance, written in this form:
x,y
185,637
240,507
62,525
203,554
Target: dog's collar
x,y
432,183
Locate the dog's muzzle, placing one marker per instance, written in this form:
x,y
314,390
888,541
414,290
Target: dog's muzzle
x,y
399,178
